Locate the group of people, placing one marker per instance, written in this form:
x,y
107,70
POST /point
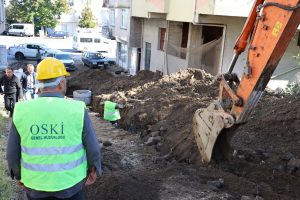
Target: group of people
x,y
15,88
52,149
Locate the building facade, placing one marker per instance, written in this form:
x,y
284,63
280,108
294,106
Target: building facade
x,y
127,32
200,34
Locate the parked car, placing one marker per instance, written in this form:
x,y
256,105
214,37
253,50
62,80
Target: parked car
x,y
106,54
28,50
95,60
58,34
21,29
64,57
4,32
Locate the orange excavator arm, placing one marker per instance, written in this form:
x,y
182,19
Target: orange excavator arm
x,y
267,33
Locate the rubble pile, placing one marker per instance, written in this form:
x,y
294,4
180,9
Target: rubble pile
x,y
160,110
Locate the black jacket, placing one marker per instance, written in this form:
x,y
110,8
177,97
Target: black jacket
x,y
11,86
24,80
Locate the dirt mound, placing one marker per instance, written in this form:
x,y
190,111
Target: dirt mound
x,y
103,82
160,110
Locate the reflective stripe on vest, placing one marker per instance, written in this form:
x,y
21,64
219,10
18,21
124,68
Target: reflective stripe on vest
x,y
51,150
53,157
110,111
54,167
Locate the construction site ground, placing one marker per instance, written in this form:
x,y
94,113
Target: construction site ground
x,y
152,154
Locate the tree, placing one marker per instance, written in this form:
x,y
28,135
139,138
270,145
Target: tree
x,y
43,13
87,19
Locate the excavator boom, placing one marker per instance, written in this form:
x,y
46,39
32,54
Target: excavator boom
x,y
269,29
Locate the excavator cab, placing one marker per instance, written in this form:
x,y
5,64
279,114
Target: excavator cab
x,y
267,32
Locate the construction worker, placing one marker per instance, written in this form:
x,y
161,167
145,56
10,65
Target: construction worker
x,y
12,89
111,112
52,149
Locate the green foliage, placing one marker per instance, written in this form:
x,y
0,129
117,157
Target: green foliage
x,y
87,19
44,13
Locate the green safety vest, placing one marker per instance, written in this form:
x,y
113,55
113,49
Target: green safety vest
x,y
110,111
53,157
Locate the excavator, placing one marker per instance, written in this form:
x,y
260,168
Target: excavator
x,y
267,32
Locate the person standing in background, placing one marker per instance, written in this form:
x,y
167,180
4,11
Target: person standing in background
x,y
38,56
29,83
12,89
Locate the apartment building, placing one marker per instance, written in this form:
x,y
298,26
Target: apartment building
x,y
127,32
200,34
2,16
69,21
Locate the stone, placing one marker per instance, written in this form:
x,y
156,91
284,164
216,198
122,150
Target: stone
x,y
251,198
153,140
217,183
107,143
293,165
163,129
155,133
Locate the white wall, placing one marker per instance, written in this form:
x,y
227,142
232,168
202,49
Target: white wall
x,y
233,7
159,61
150,35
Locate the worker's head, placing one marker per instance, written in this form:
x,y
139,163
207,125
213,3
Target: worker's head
x,y
51,75
30,68
9,72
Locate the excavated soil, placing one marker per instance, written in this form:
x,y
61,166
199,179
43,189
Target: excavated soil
x,y
158,115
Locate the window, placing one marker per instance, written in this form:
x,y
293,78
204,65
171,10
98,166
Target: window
x,y
112,17
29,46
86,40
97,40
18,27
71,2
162,35
124,18
122,52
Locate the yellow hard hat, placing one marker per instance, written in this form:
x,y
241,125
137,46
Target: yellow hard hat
x,y
51,68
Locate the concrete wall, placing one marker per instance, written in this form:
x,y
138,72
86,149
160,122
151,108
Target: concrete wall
x,y
135,36
181,10
159,60
2,16
121,32
150,35
141,8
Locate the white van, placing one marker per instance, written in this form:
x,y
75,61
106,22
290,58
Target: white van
x,y
90,42
21,29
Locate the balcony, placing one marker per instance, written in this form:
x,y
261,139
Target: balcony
x,y
236,8
122,4
150,8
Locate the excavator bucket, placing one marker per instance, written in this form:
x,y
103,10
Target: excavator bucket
x,y
208,124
